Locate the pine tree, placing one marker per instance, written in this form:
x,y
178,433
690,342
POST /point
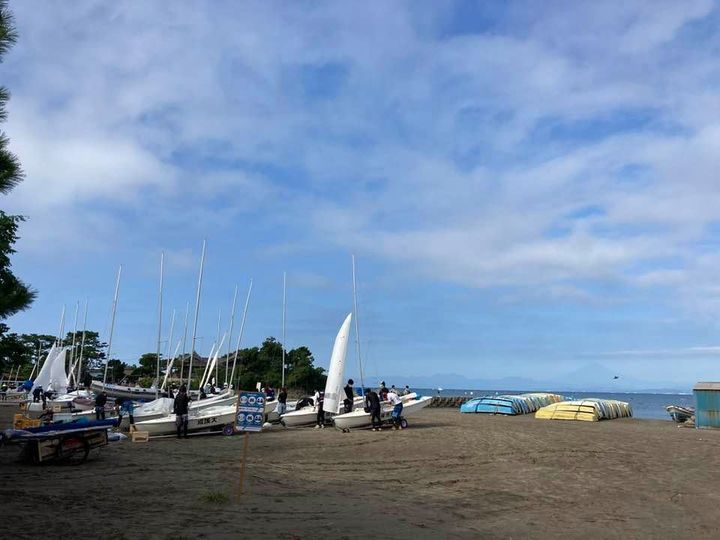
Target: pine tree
x,y
14,294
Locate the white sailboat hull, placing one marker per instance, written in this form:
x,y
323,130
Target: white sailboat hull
x,y
210,419
303,417
223,400
116,390
308,415
359,418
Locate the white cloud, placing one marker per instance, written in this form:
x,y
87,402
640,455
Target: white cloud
x,y
464,158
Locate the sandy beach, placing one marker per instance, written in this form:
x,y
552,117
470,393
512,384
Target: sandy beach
x,y
447,476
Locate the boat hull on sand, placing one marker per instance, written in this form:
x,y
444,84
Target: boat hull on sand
x,y
307,416
680,414
359,418
210,419
119,391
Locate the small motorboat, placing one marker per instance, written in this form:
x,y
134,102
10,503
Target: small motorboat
x,y
680,414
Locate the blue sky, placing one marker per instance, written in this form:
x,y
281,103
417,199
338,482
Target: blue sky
x,y
527,191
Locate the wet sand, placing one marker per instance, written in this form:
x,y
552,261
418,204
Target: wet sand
x,y
447,476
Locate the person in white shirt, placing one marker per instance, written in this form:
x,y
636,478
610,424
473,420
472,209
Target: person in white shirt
x,y
397,403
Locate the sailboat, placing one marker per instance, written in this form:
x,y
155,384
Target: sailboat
x,y
205,419
333,387
412,403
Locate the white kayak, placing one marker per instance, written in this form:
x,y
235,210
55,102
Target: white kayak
x,y
209,419
359,418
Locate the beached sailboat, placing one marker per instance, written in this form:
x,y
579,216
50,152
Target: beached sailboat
x,y
333,387
163,407
412,403
207,419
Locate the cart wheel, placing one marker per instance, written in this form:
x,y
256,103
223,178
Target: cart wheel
x,y
229,430
403,423
73,450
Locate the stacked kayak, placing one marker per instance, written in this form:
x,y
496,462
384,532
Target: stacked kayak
x,y
510,404
586,410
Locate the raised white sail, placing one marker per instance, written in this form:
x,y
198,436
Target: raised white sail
x,y
334,387
46,372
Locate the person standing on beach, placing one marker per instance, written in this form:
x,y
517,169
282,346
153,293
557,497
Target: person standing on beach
x,y
406,390
383,392
180,408
282,401
100,402
372,405
319,404
397,404
128,407
349,396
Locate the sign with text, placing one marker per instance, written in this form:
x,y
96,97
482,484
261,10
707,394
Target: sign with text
x,y
250,411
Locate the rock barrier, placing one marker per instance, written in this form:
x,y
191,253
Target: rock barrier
x,y
444,401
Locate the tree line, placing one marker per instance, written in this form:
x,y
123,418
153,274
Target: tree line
x,y
21,352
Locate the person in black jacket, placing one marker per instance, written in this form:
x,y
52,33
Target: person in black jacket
x,y
100,402
349,396
372,405
282,401
180,408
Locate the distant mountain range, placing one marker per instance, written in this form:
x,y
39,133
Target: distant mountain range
x,y
588,378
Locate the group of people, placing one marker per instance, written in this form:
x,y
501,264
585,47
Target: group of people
x,y
373,404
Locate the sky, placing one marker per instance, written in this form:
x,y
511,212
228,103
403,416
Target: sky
x,y
527,191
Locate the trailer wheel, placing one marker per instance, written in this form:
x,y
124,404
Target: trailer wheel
x,y
229,430
73,450
403,423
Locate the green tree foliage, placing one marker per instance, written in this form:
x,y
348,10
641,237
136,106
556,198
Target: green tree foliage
x,y
22,349
264,365
116,370
147,366
14,294
93,350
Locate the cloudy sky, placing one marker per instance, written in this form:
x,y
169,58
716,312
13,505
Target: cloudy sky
x,y
527,191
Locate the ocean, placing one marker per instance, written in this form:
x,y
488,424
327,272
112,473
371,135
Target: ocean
x,y
650,406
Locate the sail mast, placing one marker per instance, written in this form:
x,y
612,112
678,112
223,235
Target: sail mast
x,y
283,330
217,340
168,362
62,325
184,341
197,313
72,352
232,323
160,299
82,344
112,324
242,329
357,326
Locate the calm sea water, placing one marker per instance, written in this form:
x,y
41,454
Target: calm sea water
x,y
644,405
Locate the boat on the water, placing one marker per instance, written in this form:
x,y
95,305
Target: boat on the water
x,y
680,414
587,410
510,404
208,419
358,418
